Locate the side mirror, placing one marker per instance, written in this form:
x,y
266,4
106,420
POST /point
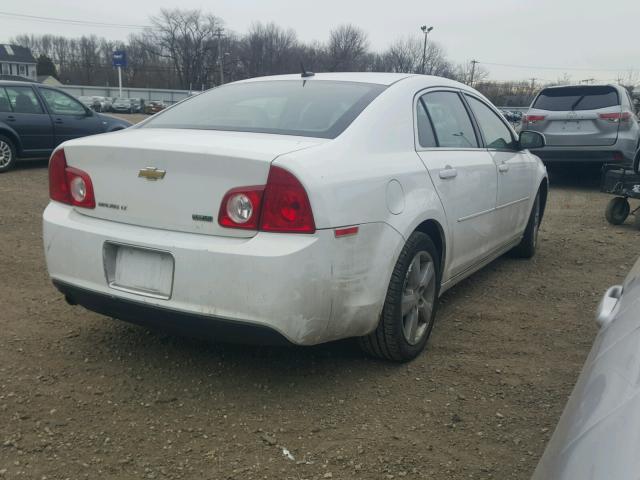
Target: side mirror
x,y
89,112
529,139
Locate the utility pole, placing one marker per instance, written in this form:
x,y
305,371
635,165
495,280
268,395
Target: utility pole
x,y
533,84
473,71
220,62
426,31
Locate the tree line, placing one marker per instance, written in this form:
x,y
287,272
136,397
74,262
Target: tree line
x,y
189,49
192,50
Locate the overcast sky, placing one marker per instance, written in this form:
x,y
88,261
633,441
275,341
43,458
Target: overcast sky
x,y
583,38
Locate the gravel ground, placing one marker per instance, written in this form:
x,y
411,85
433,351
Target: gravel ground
x,y
83,396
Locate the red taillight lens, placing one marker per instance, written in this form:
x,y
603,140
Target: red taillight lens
x,y
69,185
240,208
532,118
286,206
282,205
616,117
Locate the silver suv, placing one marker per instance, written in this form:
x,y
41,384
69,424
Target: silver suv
x,y
585,123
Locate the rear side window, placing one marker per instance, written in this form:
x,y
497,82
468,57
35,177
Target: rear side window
x,y
312,108
23,100
426,137
451,122
561,99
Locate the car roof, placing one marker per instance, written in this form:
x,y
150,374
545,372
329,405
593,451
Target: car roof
x,y
18,83
379,78
362,77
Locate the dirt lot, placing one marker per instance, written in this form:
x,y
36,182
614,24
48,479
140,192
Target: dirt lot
x,y
83,396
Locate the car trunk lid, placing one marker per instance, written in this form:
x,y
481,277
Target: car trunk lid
x,y
175,179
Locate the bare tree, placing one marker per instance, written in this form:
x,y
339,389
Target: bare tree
x,y
188,39
347,47
269,49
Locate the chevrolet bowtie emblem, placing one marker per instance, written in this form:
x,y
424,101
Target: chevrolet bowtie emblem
x,y
152,173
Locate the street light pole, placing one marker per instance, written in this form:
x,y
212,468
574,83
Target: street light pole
x,y
426,31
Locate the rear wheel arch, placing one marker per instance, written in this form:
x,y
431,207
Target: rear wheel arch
x,y
13,137
434,230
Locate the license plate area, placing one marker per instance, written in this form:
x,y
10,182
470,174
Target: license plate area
x,y
139,270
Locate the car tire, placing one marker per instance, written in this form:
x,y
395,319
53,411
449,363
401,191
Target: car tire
x,y
617,210
527,246
7,154
414,287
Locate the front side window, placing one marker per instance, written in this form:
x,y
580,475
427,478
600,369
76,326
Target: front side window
x,y
495,132
313,108
23,100
61,104
451,122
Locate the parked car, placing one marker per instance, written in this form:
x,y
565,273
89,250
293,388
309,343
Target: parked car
x,y
597,435
295,210
137,105
102,104
154,106
585,123
35,118
122,105
90,102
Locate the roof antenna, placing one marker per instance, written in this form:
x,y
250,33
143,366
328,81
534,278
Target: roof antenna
x,y
305,74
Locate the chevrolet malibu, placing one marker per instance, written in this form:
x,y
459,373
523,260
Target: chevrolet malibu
x,y
296,209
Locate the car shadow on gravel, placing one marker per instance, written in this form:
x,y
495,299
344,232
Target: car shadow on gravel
x,y
582,176
30,164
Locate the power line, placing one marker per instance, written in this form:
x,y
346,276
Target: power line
x,y
70,21
585,69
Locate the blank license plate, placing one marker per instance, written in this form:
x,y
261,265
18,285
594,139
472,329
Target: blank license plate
x,y
147,272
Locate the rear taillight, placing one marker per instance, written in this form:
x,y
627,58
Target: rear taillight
x,y
616,117
282,205
532,118
286,207
69,185
240,208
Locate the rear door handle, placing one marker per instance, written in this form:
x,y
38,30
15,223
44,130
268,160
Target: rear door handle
x,y
503,167
59,120
448,172
11,118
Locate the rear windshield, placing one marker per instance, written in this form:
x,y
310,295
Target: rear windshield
x,y
577,98
311,108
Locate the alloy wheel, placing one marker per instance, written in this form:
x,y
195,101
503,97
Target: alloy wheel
x,y
418,298
6,155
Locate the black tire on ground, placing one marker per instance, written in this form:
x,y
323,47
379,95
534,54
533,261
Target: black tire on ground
x,y
617,210
390,339
7,154
527,246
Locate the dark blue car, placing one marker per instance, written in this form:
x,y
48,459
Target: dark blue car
x,y
35,119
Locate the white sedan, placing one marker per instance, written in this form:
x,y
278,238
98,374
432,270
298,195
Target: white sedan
x,y
294,208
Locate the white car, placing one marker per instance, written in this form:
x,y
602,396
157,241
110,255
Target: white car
x,y
295,208
597,435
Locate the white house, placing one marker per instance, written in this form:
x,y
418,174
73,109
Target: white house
x,y
17,61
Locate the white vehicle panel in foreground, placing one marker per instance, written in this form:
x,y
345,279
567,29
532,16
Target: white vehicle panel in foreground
x,y
598,435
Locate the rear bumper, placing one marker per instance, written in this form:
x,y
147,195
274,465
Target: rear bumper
x,y
308,288
194,325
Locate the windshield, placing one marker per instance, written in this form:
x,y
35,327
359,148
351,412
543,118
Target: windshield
x,y
577,98
313,108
